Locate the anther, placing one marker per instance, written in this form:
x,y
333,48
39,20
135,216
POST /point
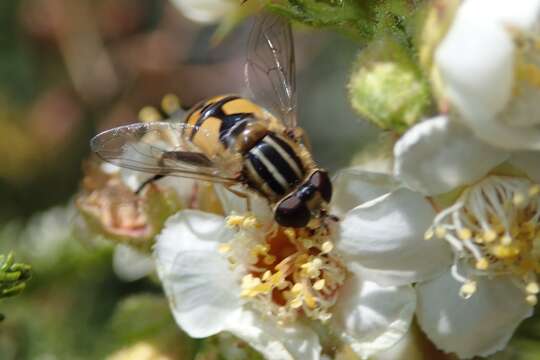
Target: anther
x,y
467,289
532,300
482,264
429,234
327,247
170,103
149,114
440,232
290,233
319,284
518,199
489,235
464,233
533,288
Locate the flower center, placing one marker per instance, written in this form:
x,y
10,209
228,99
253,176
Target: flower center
x,y
287,271
493,229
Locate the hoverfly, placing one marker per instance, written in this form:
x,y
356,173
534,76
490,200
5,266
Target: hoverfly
x,y
232,141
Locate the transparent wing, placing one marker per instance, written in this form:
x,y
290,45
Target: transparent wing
x,y
270,69
157,148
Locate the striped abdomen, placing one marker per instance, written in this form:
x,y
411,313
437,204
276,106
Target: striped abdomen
x,y
217,123
273,167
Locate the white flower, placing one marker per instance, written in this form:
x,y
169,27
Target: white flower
x,y
485,218
206,11
489,67
265,284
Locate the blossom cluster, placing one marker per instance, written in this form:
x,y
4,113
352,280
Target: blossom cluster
x,y
450,236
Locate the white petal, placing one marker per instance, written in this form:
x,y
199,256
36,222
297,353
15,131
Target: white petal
x,y
203,292
353,187
372,318
189,230
478,326
439,155
130,264
522,14
275,342
476,62
386,236
528,162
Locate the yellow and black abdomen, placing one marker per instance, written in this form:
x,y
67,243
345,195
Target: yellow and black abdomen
x,y
216,123
273,167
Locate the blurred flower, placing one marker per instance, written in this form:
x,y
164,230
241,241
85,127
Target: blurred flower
x,y
207,11
140,351
246,275
489,218
110,206
488,68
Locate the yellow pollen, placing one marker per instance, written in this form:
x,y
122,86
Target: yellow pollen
x,y
532,300
468,289
224,248
319,284
533,288
429,234
250,222
267,274
440,232
489,235
506,239
464,234
297,303
518,199
505,252
327,247
482,264
235,220
297,288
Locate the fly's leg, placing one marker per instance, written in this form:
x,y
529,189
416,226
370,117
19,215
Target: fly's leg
x,y
147,182
240,194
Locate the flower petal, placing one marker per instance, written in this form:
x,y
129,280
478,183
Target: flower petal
x,y
204,293
202,290
189,230
481,47
386,237
439,155
275,342
353,187
528,162
478,326
371,318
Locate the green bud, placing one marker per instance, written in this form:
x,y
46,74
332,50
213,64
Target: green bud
x,y
13,276
387,88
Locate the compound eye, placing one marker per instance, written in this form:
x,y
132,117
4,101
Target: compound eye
x,y
292,212
321,181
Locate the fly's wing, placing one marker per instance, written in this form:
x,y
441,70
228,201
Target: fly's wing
x,y
270,69
157,148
